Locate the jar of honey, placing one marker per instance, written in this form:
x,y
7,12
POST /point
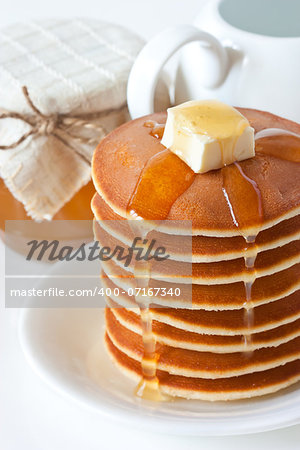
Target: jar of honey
x,y
77,210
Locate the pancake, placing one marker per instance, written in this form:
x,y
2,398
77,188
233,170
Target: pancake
x,y
119,159
212,297
204,248
265,317
222,272
176,337
191,363
220,389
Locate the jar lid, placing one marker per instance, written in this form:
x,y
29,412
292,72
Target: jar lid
x,y
63,87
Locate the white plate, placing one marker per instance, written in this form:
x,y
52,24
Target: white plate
x,y
65,346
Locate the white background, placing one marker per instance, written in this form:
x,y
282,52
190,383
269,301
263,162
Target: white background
x,y
33,417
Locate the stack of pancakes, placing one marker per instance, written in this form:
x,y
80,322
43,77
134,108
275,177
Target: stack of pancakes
x,y
210,344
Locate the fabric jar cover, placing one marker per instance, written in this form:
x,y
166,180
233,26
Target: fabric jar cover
x,y
71,68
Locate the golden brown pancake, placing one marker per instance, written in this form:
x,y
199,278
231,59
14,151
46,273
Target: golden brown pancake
x,y
191,363
220,389
176,337
204,248
265,317
121,156
266,263
212,297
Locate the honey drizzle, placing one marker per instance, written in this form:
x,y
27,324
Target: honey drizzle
x,y
157,129
230,145
236,181
148,387
281,144
156,184
248,304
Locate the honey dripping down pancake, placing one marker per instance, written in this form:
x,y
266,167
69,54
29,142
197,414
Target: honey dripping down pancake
x,y
152,200
244,201
165,167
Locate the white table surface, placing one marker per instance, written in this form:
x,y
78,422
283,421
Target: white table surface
x,y
32,416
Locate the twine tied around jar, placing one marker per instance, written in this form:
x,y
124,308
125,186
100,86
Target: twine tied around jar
x,y
54,124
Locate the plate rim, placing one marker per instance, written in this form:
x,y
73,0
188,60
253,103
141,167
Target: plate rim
x,y
150,422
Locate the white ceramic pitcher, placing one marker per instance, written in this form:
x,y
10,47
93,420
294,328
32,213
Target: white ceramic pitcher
x,y
243,52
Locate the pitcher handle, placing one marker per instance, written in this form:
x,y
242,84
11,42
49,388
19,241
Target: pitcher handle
x,y
150,61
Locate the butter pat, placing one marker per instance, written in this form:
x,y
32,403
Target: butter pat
x,y
208,135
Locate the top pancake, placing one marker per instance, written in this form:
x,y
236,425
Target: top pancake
x,y
120,158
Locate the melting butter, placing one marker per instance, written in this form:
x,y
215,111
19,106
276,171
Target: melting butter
x,y
208,135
